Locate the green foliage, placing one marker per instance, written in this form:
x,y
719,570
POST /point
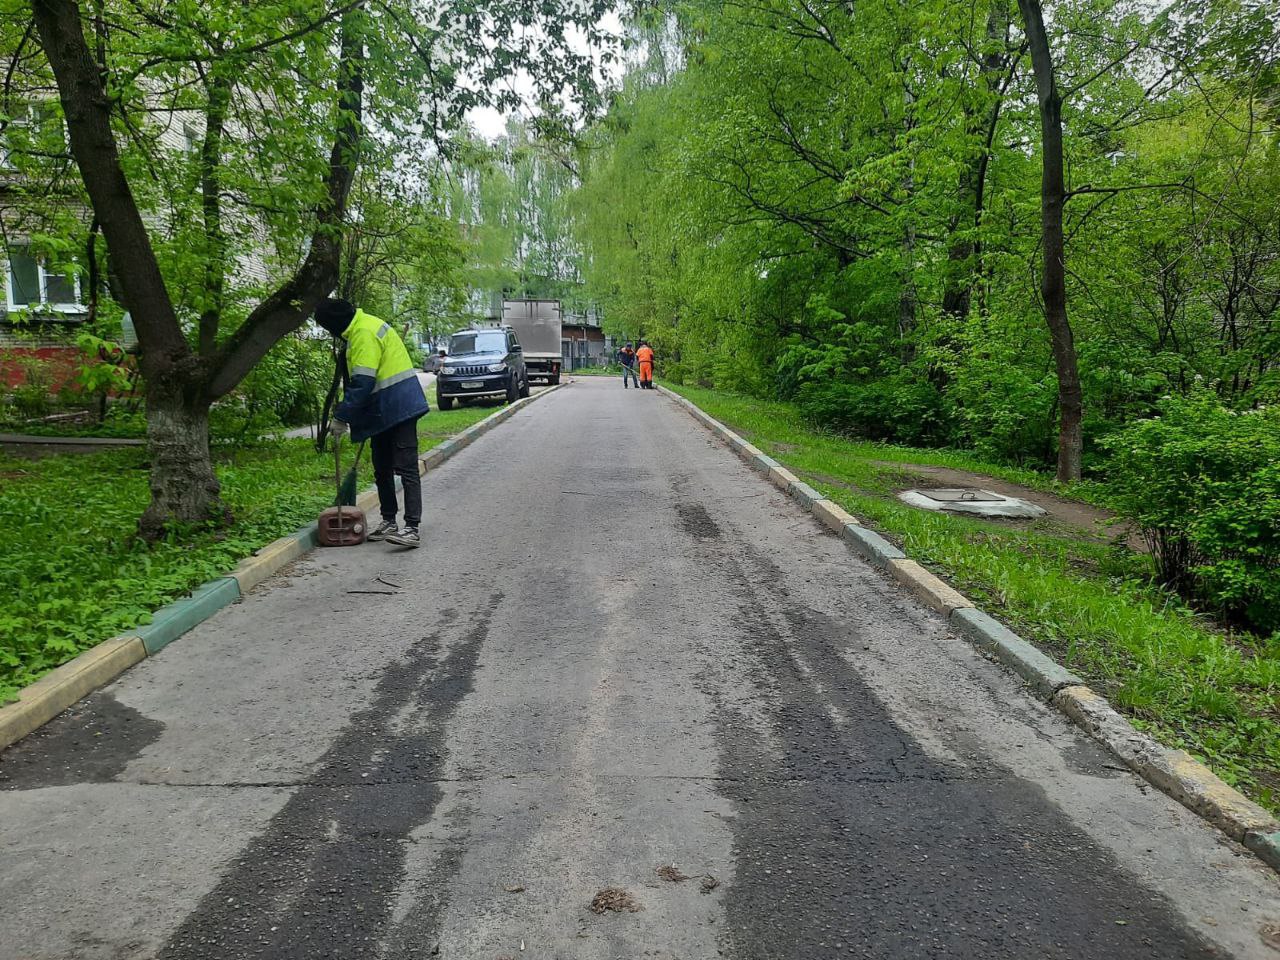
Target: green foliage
x,y
1202,482
31,398
286,388
904,409
844,209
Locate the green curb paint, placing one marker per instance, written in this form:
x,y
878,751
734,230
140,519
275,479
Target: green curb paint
x,y
171,622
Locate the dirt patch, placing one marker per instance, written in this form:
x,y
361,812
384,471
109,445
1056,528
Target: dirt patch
x,y
1089,520
697,522
709,883
672,874
614,900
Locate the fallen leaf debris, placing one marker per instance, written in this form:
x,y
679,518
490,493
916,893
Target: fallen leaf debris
x,y
614,900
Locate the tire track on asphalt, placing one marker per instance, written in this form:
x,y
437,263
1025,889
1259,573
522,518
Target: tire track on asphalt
x,y
851,840
321,880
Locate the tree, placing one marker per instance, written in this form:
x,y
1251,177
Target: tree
x,y
1053,253
270,82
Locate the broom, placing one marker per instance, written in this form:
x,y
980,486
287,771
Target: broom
x,y
346,485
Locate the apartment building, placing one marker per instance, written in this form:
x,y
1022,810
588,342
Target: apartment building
x,y
46,297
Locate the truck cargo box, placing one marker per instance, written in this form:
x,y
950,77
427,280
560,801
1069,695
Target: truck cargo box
x,y
537,323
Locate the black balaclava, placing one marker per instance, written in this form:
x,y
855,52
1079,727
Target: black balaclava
x,y
335,315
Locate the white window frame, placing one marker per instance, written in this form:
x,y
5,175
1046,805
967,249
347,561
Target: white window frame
x,y
191,140
43,304
30,119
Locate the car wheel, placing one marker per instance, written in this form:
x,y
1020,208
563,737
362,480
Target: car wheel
x,y
444,403
524,387
513,388
553,380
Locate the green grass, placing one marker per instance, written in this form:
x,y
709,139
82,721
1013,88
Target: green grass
x,y
613,370
1086,602
72,572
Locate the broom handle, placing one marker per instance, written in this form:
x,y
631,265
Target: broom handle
x,y
337,472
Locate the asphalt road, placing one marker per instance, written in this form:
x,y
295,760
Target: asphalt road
x,y
619,652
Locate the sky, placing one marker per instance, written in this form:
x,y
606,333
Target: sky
x,y
491,124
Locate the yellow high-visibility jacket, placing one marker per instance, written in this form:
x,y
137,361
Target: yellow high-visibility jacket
x,y
383,387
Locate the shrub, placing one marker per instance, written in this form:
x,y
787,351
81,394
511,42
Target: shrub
x,y
900,410
1202,483
32,398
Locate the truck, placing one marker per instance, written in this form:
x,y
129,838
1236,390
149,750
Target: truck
x,y
537,324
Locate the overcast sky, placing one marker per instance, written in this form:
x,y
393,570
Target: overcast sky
x,y
491,124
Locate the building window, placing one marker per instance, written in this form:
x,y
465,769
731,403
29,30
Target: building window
x,y
34,127
28,284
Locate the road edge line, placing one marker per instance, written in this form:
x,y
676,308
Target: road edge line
x,y
71,682
1174,773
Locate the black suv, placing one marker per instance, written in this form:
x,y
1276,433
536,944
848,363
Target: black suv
x,y
487,362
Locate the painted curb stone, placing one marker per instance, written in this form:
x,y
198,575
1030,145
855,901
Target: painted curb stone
x,y
177,618
1265,845
799,490
870,545
932,590
1029,663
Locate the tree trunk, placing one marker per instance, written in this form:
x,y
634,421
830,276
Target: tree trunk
x,y
181,386
995,71
184,488
1053,279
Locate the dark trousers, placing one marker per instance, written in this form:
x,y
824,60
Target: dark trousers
x,y
395,454
629,373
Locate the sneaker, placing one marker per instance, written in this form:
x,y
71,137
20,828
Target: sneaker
x,y
408,537
383,530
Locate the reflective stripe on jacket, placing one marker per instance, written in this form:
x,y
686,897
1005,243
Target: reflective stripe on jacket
x,y
383,389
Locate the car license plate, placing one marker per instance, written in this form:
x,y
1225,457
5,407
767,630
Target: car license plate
x,y
472,384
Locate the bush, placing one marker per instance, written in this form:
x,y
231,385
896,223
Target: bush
x,y
1006,406
1202,483
32,398
896,411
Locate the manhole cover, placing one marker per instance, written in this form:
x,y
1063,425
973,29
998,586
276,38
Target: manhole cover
x,y
982,503
961,495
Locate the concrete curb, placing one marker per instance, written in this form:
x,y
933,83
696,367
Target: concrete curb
x,y
96,667
870,545
929,589
1174,772
1047,676
169,623
60,688
834,516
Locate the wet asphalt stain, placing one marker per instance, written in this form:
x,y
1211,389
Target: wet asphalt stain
x,y
851,841
696,522
91,742
324,876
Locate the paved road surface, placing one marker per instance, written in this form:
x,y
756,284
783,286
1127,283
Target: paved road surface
x,y
619,651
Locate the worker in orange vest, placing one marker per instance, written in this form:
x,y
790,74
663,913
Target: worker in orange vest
x,y
644,354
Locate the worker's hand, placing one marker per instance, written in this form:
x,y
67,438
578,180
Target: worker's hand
x,y
339,428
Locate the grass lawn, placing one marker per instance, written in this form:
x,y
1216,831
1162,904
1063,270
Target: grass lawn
x,y
72,573
1083,600
613,370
